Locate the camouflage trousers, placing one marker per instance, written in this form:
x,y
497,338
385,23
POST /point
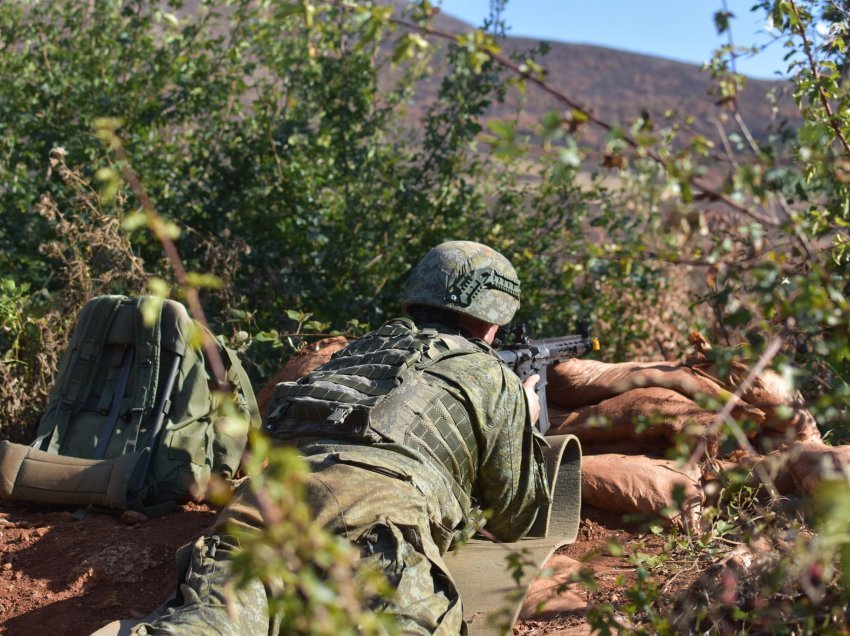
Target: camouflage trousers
x,y
382,512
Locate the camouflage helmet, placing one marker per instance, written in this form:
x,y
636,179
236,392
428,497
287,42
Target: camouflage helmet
x,y
468,278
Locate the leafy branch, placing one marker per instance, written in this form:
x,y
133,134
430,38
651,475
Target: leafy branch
x,y
165,232
799,27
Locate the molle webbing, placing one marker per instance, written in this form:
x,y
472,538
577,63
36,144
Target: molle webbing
x,y
442,429
144,390
78,369
358,379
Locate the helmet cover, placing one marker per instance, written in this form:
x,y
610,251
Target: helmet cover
x,y
468,278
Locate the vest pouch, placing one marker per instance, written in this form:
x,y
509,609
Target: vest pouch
x,y
28,474
300,417
376,463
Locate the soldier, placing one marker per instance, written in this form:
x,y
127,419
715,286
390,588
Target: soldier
x,y
409,432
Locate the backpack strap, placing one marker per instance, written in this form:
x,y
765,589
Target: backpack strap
x,y
95,321
147,372
117,397
240,385
136,487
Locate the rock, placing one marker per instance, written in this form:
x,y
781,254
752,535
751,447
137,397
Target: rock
x,y
131,517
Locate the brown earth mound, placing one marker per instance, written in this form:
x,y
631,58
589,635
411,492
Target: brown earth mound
x,y
63,576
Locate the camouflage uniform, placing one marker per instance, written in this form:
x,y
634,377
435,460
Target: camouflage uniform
x,y
407,433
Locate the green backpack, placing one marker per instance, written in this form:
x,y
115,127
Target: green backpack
x,y
132,422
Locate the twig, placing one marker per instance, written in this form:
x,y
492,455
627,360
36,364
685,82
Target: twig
x,y
725,417
733,60
724,139
694,565
730,542
158,226
807,46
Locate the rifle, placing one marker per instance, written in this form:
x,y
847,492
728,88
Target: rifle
x,y
525,357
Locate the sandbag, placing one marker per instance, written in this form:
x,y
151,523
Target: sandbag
x,y
803,428
640,485
783,407
777,411
812,462
578,382
644,414
552,594
794,469
300,365
775,467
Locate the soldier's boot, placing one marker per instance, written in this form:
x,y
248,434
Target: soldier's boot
x,y
206,604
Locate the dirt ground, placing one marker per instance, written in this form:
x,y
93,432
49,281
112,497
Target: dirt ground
x,y
63,576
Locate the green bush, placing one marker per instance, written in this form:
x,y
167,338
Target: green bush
x,y
277,138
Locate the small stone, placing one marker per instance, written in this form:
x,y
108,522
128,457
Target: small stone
x,y
7,567
131,517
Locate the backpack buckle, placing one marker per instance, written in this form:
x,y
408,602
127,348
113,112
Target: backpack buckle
x,y
339,414
278,411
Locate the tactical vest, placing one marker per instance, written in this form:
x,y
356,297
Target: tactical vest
x,y
375,390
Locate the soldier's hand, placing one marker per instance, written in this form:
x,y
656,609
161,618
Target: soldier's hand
x,y
530,386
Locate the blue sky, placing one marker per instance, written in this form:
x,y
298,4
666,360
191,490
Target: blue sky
x,y
675,29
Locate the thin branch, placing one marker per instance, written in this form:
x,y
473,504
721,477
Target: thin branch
x,y
724,139
807,46
158,227
725,417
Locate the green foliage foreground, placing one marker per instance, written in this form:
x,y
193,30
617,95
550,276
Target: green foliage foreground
x,y
278,142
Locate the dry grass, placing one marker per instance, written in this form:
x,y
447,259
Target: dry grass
x,y
91,256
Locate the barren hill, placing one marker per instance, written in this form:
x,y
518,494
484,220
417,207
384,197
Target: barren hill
x,y
617,85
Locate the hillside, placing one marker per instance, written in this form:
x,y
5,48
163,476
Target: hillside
x,y
617,85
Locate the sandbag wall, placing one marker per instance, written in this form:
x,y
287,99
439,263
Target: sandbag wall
x,y
630,416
